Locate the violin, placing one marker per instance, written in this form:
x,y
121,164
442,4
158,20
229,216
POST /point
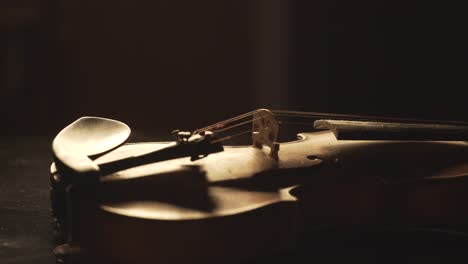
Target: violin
x,y
199,200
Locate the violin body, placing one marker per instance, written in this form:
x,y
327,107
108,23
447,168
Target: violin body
x,y
242,202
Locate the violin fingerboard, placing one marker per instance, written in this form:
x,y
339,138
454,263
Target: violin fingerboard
x,y
364,130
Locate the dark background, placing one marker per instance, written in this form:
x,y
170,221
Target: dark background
x,y
159,65
172,64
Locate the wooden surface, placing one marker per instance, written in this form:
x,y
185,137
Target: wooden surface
x,y
26,233
256,203
365,173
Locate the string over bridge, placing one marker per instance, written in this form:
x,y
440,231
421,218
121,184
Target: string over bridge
x,y
265,131
261,123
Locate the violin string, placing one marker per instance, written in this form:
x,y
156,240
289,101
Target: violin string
x,y
243,116
293,113
222,123
227,127
286,113
316,115
237,134
294,123
232,136
233,126
279,113
238,124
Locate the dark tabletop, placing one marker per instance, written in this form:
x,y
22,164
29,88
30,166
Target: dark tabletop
x,y
25,221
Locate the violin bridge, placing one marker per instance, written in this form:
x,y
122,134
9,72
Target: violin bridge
x,y
265,131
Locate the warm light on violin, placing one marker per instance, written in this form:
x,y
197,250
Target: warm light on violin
x,y
199,200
